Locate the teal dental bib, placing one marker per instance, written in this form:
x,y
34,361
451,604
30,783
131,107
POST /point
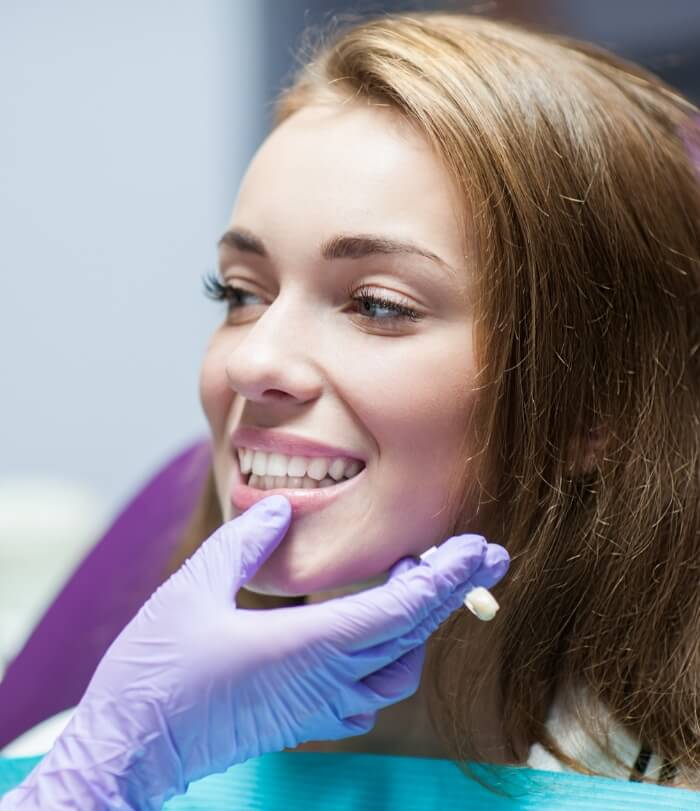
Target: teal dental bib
x,y
312,781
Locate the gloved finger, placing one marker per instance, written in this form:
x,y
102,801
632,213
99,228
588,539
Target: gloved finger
x,y
360,696
405,600
361,664
234,553
493,567
358,724
400,678
260,530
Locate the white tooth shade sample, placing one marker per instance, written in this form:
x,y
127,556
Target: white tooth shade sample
x,y
481,603
479,600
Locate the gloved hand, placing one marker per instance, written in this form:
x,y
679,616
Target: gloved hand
x,y
193,685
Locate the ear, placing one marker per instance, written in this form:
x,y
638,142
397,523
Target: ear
x,y
584,451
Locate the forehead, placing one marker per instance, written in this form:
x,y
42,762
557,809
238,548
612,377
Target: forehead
x,y
339,168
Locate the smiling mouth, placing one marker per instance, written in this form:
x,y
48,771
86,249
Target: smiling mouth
x,y
277,472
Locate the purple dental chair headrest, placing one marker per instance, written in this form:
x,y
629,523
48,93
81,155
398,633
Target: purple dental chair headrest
x,y
121,571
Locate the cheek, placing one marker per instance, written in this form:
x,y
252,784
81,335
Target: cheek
x,y
420,404
414,398
421,422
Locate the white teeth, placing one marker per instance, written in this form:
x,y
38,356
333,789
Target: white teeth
x,y
318,468
288,483
276,465
336,469
248,460
296,466
353,468
244,460
260,463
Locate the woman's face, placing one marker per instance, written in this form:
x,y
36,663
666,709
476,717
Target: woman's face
x,y
296,354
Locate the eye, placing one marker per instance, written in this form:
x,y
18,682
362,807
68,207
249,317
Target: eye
x,y
375,307
371,307
217,291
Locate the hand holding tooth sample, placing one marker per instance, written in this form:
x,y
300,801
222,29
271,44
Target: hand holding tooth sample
x,y
194,684
479,600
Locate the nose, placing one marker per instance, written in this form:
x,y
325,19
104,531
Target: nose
x,y
276,357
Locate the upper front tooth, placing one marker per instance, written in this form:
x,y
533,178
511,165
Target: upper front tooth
x,y
276,465
296,466
259,463
318,467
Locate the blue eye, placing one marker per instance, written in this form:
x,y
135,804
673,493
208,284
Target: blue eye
x,y
371,303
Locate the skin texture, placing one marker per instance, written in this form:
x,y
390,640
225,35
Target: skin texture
x,y
299,355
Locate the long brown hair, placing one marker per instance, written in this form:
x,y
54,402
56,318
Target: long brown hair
x,y
582,222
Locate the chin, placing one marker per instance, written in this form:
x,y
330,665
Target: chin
x,y
280,576
278,579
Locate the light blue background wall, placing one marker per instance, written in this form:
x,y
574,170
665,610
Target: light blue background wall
x,y
124,130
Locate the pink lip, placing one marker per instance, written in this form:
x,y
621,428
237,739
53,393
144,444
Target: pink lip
x,y
288,444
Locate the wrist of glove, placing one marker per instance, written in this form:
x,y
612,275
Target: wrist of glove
x,y
194,684
118,758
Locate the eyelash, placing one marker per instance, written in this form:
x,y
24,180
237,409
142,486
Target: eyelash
x,y
217,291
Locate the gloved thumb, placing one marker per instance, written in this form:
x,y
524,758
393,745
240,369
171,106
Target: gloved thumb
x,y
238,548
259,530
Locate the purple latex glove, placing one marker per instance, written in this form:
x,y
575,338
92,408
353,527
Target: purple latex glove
x,y
193,684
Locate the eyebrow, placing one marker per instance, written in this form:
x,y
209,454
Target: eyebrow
x,y
341,246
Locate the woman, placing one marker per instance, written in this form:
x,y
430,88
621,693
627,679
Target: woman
x,y
467,259
547,377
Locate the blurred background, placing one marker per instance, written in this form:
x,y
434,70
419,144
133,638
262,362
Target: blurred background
x,y
126,128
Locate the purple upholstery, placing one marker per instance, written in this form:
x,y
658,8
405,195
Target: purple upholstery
x,y
124,567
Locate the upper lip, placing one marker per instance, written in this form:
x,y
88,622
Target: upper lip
x,y
288,444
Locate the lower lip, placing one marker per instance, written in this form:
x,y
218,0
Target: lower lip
x,y
303,501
